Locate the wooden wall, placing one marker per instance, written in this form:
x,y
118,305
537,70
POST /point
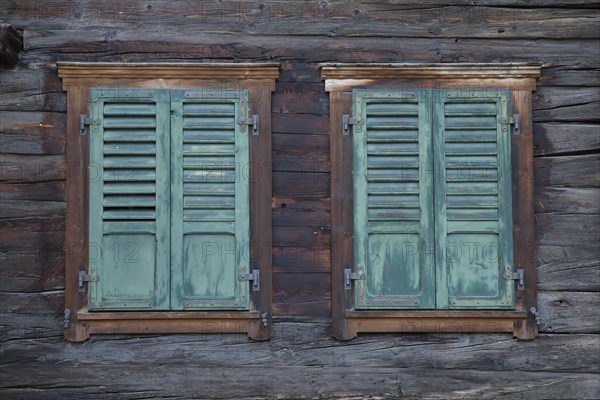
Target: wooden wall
x,y
301,360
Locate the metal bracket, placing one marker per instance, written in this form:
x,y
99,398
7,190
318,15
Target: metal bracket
x,y
83,278
67,318
350,276
255,123
346,122
264,318
83,121
536,314
517,276
516,121
254,276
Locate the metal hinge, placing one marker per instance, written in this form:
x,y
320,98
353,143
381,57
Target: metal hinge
x,y
350,276
536,314
517,276
83,278
83,121
254,277
67,318
255,123
516,121
346,122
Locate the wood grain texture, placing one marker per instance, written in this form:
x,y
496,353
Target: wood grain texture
x,y
301,360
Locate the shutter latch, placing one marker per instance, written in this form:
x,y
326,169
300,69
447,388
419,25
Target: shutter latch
x,y
254,123
350,276
517,276
83,278
254,277
83,121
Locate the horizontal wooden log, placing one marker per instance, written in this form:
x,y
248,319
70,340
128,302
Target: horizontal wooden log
x,y
569,312
556,138
24,209
309,343
457,367
333,18
300,98
26,144
301,211
53,191
574,268
300,124
566,104
32,168
34,123
299,152
33,254
31,90
572,171
42,303
567,229
24,326
304,259
298,183
305,294
568,76
302,236
130,46
566,200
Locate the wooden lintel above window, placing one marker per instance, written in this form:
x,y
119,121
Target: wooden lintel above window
x,y
189,71
340,77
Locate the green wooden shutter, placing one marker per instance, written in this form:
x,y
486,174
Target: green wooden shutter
x,y
393,201
129,186
473,199
210,200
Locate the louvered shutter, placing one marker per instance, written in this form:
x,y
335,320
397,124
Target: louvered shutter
x,y
393,200
210,200
473,199
129,200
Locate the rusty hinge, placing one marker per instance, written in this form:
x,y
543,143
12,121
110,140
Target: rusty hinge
x,y
84,278
253,277
517,276
83,121
346,122
350,276
254,123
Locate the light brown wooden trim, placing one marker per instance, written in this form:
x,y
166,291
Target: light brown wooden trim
x,y
187,71
520,79
77,79
444,71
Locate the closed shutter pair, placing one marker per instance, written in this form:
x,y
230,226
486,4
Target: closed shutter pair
x,y
169,200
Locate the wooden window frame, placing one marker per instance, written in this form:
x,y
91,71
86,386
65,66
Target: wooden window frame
x,y
78,78
520,79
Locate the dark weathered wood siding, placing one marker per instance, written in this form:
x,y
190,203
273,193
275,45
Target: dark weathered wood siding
x,y
301,360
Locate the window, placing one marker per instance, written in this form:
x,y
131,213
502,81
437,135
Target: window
x,y
429,167
168,206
